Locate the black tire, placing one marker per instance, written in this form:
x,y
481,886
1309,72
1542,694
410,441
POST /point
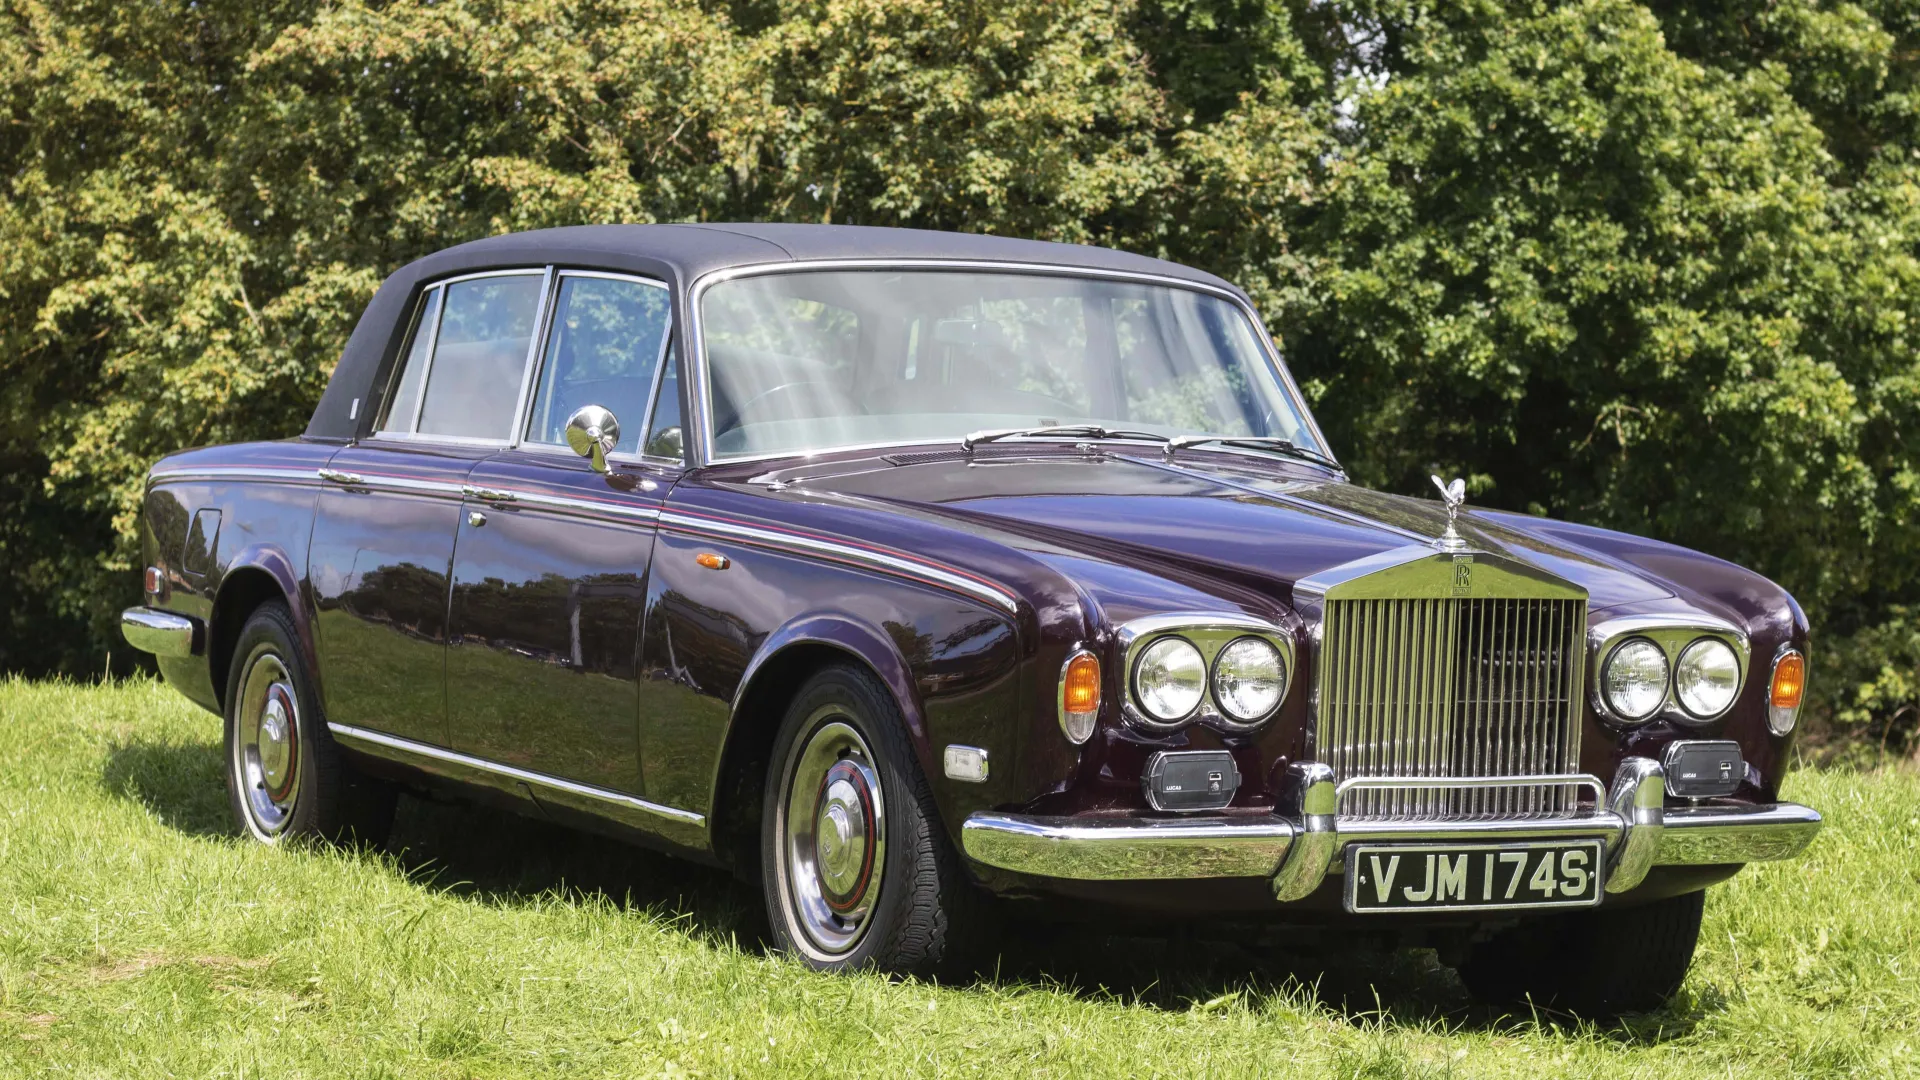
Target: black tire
x,y
298,785
910,911
1597,964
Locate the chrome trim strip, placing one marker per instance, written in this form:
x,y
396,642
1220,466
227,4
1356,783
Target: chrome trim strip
x,y
700,391
1128,849
270,473
1318,804
161,633
648,514
749,534
1441,783
555,783
1639,801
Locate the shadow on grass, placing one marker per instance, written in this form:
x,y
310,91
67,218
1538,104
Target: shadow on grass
x,y
498,857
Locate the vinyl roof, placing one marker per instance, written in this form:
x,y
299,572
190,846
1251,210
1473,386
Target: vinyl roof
x,y
676,254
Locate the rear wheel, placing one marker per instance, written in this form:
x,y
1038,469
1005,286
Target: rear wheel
x,y
286,778
856,866
1597,963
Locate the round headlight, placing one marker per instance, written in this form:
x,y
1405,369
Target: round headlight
x,y
1169,679
1249,679
1707,678
1635,680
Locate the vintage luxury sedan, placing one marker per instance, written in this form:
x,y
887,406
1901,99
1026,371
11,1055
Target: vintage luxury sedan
x,y
919,577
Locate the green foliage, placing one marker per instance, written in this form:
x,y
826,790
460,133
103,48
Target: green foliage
x,y
1651,265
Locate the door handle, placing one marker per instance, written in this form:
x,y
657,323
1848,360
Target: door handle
x,y
335,476
487,494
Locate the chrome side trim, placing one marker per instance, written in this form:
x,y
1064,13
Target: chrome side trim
x,y
161,633
700,422
1128,849
269,473
383,741
844,552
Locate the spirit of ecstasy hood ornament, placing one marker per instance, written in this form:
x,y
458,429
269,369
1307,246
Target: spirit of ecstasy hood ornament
x,y
1455,495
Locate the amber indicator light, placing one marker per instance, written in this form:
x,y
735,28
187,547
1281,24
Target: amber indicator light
x,y
1789,681
1081,694
713,562
155,581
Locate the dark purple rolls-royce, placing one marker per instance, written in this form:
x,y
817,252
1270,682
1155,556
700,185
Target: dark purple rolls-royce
x,y
921,577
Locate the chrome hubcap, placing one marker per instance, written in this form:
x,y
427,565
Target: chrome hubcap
x,y
833,836
267,748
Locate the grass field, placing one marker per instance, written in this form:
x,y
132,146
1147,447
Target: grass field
x,y
139,937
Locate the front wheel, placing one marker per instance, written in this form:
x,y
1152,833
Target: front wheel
x,y
856,866
286,778
1596,963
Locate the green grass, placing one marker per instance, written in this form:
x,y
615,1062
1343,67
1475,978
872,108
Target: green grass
x,y
140,937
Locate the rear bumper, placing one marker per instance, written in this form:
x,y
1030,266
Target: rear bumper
x,y
161,633
1298,851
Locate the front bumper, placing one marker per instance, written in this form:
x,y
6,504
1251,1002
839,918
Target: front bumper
x,y
1298,851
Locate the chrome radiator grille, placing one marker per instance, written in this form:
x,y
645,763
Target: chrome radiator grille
x,y
1451,687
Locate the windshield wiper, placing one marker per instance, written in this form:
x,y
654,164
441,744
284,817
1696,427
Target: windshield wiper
x,y
1256,442
1073,431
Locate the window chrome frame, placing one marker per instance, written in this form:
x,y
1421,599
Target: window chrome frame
x,y
534,349
700,392
550,312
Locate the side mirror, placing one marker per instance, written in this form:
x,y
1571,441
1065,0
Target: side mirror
x,y
593,432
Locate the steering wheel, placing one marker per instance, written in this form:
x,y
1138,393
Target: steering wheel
x,y
741,413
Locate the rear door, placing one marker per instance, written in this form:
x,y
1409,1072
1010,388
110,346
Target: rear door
x,y
549,575
386,522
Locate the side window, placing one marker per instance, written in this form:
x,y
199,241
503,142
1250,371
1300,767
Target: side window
x,y
480,356
405,401
603,350
664,437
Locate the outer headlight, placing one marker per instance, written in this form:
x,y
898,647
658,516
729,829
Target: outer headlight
x,y
1634,679
1169,679
1249,679
1707,678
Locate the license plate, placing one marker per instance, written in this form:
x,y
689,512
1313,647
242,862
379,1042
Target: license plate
x,y
1473,877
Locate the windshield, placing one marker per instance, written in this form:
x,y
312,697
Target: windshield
x,y
812,360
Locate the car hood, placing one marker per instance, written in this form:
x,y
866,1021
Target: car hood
x,y
1223,517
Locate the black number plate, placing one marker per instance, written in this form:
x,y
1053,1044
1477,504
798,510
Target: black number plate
x,y
1473,877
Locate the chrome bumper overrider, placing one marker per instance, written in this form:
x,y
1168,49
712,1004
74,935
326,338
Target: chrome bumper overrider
x,y
161,633
1298,851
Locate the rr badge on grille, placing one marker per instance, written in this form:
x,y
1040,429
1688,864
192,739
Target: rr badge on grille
x,y
1462,575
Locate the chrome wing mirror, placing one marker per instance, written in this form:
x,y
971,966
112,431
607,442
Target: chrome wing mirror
x,y
593,432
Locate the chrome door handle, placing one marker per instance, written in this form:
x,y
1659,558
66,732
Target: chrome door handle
x,y
335,476
486,494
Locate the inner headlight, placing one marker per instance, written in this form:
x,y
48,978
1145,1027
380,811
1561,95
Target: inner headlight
x,y
1249,679
1169,679
1635,679
1707,678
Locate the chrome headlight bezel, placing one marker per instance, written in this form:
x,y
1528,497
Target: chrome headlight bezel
x,y
1673,635
1210,634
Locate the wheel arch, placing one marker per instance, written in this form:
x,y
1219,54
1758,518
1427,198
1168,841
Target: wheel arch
x,y
254,576
786,658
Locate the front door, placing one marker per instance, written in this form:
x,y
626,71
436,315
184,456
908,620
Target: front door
x,y
549,575
385,524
